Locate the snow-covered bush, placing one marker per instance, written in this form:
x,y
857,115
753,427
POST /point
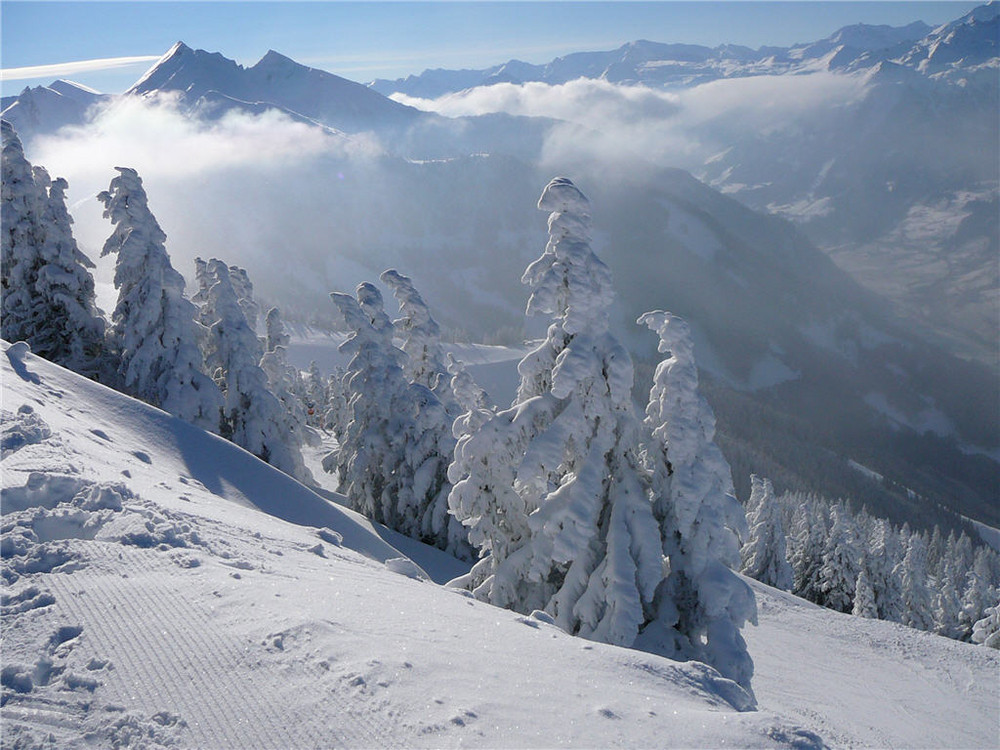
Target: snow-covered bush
x,y
987,630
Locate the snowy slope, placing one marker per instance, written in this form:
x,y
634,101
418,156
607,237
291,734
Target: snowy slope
x,y
871,683
148,599
155,597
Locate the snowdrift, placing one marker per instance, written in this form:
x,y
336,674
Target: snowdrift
x,y
164,588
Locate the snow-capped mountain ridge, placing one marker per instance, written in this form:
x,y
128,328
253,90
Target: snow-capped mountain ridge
x,y
47,108
275,79
677,65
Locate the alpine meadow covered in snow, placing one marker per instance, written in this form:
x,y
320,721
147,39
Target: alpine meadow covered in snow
x,y
638,398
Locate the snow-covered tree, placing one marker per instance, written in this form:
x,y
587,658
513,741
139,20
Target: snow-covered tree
x,y
243,288
316,395
701,605
916,596
987,630
394,454
864,597
946,606
426,362
978,593
203,278
553,489
483,498
809,530
842,553
282,378
154,324
884,554
336,416
47,290
253,417
935,551
275,333
764,555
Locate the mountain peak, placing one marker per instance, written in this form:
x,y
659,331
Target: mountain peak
x,y
209,70
275,60
178,48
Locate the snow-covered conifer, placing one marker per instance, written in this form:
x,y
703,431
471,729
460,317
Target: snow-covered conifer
x,y
393,457
253,417
841,561
282,378
47,290
243,288
337,414
702,604
809,530
864,597
553,490
275,333
935,551
316,395
154,324
421,336
764,555
916,596
977,595
473,403
204,281
884,554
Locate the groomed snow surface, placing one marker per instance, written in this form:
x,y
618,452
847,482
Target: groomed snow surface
x,y
163,587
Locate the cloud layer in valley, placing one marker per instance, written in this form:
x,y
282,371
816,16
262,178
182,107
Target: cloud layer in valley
x,y
674,128
240,187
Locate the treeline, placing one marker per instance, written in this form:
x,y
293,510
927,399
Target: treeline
x,y
854,562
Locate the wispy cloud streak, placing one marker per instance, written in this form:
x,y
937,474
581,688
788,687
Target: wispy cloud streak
x,y
59,70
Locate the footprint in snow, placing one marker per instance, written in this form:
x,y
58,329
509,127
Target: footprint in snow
x,y
63,635
144,457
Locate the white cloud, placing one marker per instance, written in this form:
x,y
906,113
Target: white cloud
x,y
683,128
241,187
61,70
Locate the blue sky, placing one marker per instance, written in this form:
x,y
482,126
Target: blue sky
x,y
117,41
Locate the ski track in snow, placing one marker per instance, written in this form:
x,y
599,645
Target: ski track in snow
x,y
167,683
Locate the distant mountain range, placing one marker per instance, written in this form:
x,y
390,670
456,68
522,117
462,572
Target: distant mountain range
x,y
811,371
967,42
